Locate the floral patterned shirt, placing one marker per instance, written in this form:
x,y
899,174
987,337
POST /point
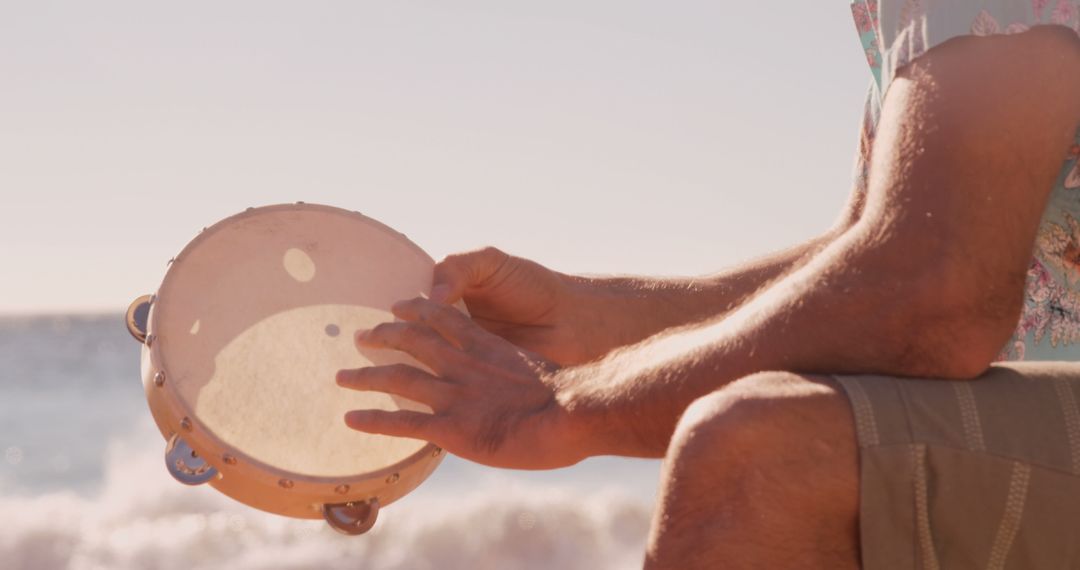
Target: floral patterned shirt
x,y
893,33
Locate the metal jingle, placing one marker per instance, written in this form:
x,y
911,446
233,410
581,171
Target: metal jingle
x,y
185,465
353,518
136,318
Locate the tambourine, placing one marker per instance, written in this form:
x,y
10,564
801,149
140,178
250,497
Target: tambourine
x,y
240,346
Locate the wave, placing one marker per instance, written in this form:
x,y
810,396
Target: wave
x,y
142,519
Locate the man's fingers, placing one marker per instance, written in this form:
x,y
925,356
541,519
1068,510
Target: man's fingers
x,y
401,423
401,380
416,339
449,322
458,272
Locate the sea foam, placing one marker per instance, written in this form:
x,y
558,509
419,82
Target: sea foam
x,y
84,487
142,519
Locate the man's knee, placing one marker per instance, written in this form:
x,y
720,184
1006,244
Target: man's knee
x,y
771,428
753,415
764,463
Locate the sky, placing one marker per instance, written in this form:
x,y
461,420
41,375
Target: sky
x,y
593,136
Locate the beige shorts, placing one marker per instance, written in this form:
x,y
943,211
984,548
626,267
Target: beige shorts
x,y
974,474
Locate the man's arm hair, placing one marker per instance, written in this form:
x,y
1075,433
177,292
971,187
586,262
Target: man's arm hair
x,y
929,280
622,310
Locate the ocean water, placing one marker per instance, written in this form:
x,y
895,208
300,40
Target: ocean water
x,y
83,486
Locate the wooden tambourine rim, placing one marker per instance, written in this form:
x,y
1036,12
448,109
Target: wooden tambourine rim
x,y
242,477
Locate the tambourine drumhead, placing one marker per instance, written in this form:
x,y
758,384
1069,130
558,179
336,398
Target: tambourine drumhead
x,y
256,316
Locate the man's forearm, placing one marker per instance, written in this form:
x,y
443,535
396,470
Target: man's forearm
x,y
853,308
928,282
620,311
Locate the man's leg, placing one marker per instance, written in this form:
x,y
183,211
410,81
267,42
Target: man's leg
x,y
762,473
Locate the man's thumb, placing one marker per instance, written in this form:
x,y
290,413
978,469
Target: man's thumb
x,y
460,271
442,293
450,281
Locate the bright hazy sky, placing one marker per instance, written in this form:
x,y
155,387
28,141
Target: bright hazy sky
x,y
591,135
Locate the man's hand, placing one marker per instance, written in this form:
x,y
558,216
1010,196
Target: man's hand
x,y
519,300
928,281
493,402
573,319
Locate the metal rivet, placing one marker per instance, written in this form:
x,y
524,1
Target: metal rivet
x,y
185,424
393,478
300,203
159,378
285,484
149,340
341,489
436,451
248,209
228,459
171,261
